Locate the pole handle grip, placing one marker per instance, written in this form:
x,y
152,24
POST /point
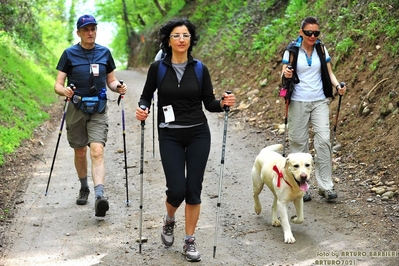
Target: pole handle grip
x,y
142,107
120,95
225,107
290,68
72,86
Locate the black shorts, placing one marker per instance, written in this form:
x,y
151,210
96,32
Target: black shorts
x,y
184,154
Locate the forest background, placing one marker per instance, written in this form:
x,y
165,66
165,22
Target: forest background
x,y
241,43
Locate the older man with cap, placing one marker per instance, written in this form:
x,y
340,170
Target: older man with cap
x,y
88,69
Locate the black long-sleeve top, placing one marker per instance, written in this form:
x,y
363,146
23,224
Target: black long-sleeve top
x,y
185,96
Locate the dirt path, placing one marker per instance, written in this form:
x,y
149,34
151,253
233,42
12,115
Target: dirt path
x,y
53,230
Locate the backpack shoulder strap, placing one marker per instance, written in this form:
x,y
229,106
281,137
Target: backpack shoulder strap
x,y
320,49
327,86
199,70
161,72
293,49
198,67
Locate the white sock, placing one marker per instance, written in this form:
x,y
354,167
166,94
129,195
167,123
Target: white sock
x,y
169,219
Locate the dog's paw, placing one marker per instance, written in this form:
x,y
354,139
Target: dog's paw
x,y
296,220
257,209
289,238
276,223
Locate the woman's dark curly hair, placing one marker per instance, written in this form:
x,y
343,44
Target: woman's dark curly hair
x,y
166,29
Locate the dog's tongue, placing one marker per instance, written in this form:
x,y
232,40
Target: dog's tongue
x,y
304,186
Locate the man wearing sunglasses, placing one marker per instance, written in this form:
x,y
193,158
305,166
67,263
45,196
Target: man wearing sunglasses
x,y
310,99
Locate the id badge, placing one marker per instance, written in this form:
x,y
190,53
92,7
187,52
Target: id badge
x,y
96,69
168,113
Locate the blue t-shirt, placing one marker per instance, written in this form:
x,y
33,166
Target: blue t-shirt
x,y
77,62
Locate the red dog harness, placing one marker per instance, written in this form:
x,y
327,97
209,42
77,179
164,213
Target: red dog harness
x,y
280,176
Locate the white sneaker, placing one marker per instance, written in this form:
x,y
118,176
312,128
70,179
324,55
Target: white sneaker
x,y
167,232
190,250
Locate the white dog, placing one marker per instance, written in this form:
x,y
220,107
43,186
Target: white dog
x,y
287,179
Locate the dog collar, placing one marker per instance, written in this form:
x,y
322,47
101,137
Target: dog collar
x,y
279,176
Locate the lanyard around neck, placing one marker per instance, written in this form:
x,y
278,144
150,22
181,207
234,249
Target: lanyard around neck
x,y
92,59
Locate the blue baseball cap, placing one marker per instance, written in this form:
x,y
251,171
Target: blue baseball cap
x,y
85,20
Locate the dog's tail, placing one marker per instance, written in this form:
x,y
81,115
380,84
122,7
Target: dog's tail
x,y
275,147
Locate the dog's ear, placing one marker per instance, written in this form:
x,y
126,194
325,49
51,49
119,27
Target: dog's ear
x,y
286,162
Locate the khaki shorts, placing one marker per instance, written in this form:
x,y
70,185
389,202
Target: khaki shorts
x,y
83,129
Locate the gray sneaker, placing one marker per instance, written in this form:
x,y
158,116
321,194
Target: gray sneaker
x,y
307,197
167,232
101,206
328,194
83,196
190,250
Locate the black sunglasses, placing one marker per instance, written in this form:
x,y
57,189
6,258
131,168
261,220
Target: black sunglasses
x,y
309,33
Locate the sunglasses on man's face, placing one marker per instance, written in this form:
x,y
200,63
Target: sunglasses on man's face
x,y
309,33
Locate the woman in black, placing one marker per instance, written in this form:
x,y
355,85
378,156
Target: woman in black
x,y
184,136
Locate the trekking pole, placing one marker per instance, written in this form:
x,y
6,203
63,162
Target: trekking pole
x,y
67,100
342,84
287,102
285,125
120,100
226,116
153,128
143,107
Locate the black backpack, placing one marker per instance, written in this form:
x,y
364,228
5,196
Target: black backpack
x,y
293,48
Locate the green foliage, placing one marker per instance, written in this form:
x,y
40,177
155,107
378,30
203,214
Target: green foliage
x,y
345,46
383,23
343,24
374,65
228,28
142,15
35,27
25,92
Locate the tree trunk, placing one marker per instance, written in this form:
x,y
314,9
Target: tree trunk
x,y
160,8
128,26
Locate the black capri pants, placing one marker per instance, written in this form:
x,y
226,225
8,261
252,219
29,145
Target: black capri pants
x,y
181,148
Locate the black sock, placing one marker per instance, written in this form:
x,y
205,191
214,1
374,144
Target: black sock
x,y
83,182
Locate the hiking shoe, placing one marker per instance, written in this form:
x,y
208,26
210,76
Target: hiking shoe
x,y
101,206
83,196
167,232
328,194
307,197
190,250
